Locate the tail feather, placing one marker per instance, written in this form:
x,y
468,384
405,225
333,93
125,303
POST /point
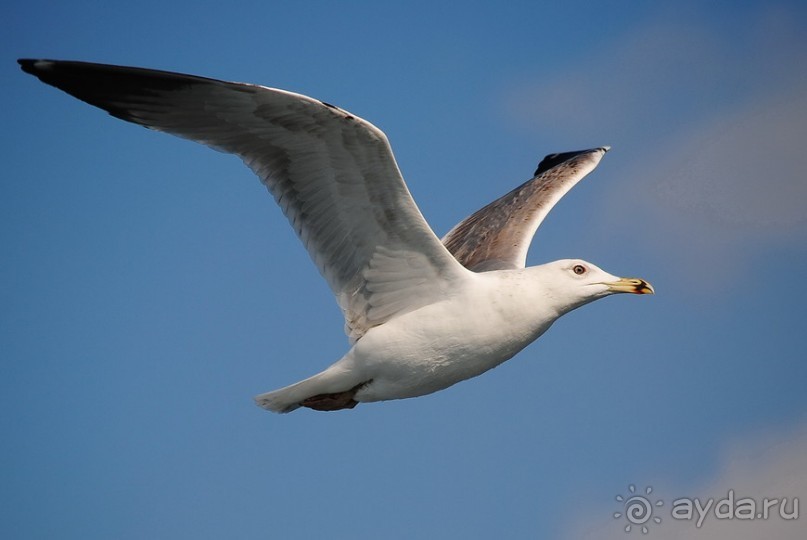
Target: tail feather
x,y
279,401
334,379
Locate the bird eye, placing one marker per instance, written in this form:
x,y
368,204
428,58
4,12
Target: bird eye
x,y
579,269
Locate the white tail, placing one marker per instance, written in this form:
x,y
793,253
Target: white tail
x,y
334,379
279,401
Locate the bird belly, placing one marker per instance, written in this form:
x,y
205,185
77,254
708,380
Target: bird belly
x,y
434,347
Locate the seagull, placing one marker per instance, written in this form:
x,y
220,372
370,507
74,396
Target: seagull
x,y
421,313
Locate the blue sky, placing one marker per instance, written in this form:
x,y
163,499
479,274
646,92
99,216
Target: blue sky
x,y
150,287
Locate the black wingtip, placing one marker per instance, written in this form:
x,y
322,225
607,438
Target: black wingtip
x,y
38,67
553,160
97,84
28,65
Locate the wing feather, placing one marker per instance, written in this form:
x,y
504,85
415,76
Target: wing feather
x,y
332,174
498,236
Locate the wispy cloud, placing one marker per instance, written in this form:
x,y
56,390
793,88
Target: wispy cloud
x,y
623,87
656,78
767,465
740,175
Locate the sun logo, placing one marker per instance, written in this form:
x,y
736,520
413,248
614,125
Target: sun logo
x,y
638,509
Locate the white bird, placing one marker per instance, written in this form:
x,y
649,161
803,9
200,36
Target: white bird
x,y
421,314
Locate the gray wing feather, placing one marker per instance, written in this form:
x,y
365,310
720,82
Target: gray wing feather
x,y
332,173
498,236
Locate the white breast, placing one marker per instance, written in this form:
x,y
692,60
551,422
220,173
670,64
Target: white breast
x,y
489,319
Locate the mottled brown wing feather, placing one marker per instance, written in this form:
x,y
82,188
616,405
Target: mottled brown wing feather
x,y
498,236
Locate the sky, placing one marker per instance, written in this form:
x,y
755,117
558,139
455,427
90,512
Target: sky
x,y
150,287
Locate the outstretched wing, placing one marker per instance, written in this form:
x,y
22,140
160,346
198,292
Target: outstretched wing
x,y
332,173
498,236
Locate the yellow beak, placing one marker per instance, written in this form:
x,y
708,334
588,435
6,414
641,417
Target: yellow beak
x,y
630,285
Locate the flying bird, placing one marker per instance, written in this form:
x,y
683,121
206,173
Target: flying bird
x,y
421,313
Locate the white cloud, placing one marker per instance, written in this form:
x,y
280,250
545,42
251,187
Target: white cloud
x,y
651,80
744,171
620,88
769,465
727,186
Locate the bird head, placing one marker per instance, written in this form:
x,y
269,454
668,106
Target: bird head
x,y
574,282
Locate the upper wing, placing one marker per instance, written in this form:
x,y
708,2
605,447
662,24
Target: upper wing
x,y
332,173
499,235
